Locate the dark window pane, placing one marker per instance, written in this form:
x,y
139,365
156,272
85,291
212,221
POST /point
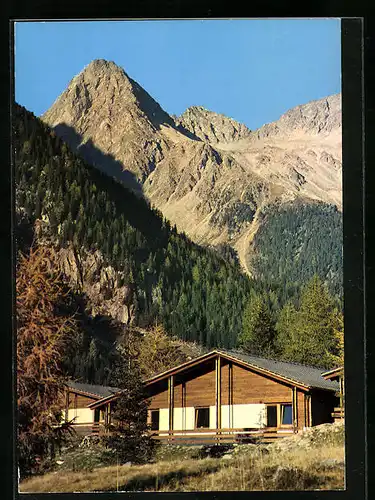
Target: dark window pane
x,y
286,412
155,420
271,416
202,417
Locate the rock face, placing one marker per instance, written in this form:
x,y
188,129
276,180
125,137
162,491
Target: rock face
x,y
99,283
208,174
211,127
107,291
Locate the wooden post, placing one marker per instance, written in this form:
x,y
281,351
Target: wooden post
x,y
170,401
295,410
218,393
342,395
230,395
67,405
310,411
183,391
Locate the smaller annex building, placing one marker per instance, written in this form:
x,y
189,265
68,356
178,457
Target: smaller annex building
x,y
226,394
337,374
78,397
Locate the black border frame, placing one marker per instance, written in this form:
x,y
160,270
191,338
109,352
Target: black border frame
x,y
355,342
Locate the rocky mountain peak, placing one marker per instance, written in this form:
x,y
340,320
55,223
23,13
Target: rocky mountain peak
x,y
108,83
111,119
319,117
102,65
212,127
100,68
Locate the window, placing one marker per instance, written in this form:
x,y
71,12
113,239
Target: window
x,y
279,415
202,418
272,416
286,415
154,420
96,415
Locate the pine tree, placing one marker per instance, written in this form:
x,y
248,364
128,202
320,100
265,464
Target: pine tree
x,y
286,333
128,435
258,328
309,335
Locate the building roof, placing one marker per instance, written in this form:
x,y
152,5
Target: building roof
x,y
304,376
295,372
336,372
97,391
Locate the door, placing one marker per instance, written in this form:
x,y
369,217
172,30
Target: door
x,y
97,415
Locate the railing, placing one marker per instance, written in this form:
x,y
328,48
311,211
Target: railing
x,y
209,436
338,413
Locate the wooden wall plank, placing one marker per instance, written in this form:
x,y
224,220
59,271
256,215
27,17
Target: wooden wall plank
x,y
250,387
200,391
79,400
247,388
159,400
301,410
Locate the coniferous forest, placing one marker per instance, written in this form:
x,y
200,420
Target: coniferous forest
x,y
296,241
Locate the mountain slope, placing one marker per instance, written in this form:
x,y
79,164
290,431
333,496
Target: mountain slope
x,y
208,174
116,250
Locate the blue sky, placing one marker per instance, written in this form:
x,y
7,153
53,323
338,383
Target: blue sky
x,y
250,70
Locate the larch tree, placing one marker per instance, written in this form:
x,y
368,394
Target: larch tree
x,y
158,352
44,327
337,357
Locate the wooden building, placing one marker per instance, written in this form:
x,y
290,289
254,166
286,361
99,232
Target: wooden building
x,y
224,395
337,375
78,397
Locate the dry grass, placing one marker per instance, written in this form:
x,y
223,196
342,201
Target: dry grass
x,y
277,470
122,478
297,470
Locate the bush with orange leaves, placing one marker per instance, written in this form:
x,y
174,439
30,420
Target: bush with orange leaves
x,y
44,328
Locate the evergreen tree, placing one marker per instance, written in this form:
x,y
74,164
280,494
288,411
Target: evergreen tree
x,y
286,332
258,328
309,335
128,435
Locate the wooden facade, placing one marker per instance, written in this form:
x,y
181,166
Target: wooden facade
x,y
221,397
